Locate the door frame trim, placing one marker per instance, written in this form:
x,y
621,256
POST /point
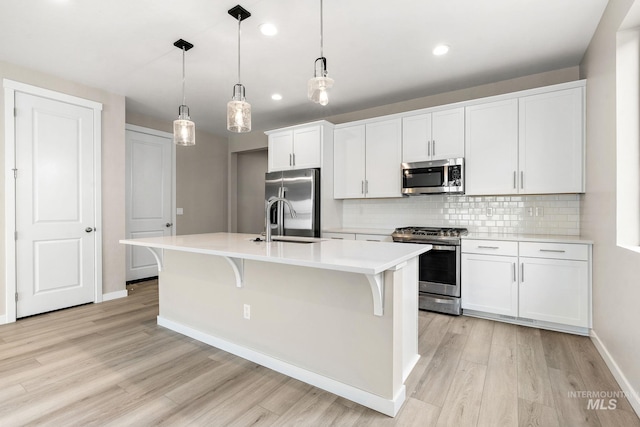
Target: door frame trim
x,y
10,89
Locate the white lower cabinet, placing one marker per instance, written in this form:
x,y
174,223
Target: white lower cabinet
x,y
339,236
548,283
489,283
358,236
554,290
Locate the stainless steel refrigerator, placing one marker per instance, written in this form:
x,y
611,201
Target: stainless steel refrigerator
x,y
302,189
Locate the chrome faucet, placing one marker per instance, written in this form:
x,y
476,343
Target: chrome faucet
x,y
270,203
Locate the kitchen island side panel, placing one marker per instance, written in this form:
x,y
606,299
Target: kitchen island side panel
x,y
319,320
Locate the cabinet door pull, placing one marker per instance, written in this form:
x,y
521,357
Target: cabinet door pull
x,y
434,147
366,186
294,159
522,180
488,247
559,251
514,180
428,148
337,238
362,186
513,264
290,163
522,273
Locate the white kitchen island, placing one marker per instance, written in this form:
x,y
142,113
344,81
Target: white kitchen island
x,y
340,315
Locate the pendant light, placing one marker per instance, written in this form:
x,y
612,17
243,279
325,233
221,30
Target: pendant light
x,y
238,109
320,83
184,130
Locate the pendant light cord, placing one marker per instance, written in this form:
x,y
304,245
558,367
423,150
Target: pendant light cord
x,y
321,32
239,31
184,97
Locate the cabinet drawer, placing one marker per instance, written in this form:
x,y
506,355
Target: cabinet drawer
x,y
374,237
339,236
490,247
578,252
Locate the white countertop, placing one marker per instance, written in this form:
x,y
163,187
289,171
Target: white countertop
x,y
342,255
547,238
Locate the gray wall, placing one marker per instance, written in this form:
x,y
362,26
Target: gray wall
x,y
201,179
616,282
252,165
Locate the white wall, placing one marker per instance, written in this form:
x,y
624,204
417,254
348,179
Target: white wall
x,y
616,279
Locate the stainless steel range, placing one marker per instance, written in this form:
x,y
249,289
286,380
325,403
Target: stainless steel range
x,y
439,268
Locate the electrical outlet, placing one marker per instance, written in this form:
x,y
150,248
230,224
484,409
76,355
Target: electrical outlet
x,y
247,311
489,211
539,211
179,211
529,211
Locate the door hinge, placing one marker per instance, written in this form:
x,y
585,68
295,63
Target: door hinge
x,y
16,297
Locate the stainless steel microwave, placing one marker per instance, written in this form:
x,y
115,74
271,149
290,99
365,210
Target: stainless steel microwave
x,y
434,177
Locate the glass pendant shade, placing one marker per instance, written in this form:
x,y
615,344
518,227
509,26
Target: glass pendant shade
x,y
317,89
184,130
238,111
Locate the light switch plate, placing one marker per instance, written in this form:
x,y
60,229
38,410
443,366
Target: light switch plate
x,y
179,211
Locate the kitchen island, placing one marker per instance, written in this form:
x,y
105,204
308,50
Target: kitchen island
x,y
340,315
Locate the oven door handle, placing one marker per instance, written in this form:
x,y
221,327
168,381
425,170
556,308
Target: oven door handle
x,y
443,248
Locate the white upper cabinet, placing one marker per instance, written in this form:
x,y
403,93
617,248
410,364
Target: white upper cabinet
x,y
367,160
348,163
433,136
298,148
526,145
552,142
383,158
491,162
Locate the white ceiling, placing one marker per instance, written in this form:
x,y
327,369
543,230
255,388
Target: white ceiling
x,y
378,51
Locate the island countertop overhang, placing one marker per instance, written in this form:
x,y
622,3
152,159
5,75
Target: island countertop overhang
x,y
370,258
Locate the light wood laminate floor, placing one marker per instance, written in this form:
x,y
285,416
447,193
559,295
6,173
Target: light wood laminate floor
x,y
109,364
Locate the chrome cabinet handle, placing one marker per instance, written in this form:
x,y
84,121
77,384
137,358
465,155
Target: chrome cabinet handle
x,y
366,186
514,180
290,162
522,273
488,247
513,264
428,148
522,180
89,229
560,251
294,159
362,186
434,147
169,224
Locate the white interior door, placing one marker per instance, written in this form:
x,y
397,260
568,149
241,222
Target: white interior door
x,y
55,205
149,204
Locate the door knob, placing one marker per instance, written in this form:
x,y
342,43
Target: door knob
x,y
89,229
168,224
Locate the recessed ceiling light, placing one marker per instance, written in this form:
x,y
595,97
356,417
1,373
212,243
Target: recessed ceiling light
x,y
441,50
268,29
276,97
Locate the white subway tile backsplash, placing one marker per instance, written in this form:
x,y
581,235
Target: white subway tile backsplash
x,y
560,213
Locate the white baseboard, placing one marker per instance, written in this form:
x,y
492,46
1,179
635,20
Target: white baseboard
x,y
632,396
370,400
3,319
114,295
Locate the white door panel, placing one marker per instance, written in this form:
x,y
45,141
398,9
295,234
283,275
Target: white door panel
x,y
54,205
149,204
